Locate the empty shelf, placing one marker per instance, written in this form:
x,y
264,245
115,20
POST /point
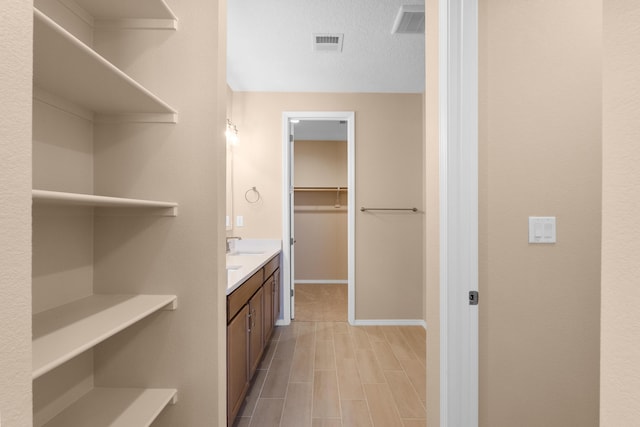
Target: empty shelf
x,y
324,189
59,197
64,332
67,68
115,407
127,9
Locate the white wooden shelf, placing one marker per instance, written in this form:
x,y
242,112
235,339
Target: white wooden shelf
x,y
64,332
66,68
126,13
115,407
62,198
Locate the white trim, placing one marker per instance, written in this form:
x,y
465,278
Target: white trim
x,y
322,282
349,116
458,121
390,322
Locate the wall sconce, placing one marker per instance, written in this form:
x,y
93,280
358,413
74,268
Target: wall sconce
x,y
231,133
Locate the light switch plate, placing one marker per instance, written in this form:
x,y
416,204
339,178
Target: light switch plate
x,y
239,221
542,229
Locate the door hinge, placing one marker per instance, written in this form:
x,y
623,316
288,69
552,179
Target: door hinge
x,y
291,293
292,241
290,138
473,297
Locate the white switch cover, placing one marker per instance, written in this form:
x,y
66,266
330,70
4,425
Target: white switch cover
x,y
227,222
542,229
239,221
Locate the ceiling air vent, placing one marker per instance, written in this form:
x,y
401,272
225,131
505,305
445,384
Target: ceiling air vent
x,y
410,20
327,42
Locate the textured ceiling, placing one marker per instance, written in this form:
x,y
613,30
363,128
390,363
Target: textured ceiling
x,y
269,47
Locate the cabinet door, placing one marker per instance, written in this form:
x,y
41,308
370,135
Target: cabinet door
x,y
237,362
268,309
276,295
256,341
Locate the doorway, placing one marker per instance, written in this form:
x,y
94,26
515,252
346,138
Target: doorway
x,y
300,186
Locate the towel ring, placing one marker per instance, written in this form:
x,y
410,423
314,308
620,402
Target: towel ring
x,y
252,195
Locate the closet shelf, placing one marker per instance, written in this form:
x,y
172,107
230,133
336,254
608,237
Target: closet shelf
x,y
59,197
326,189
64,332
115,407
128,14
67,68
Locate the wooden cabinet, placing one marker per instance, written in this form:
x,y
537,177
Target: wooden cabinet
x,y
269,320
256,322
237,362
252,310
276,295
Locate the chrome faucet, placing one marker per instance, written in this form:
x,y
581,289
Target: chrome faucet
x,y
228,248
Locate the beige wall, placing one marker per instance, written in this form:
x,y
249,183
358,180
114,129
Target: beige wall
x,y
620,346
540,154
15,212
389,156
320,164
320,226
321,236
432,219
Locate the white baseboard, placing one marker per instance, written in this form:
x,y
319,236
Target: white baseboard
x,y
321,282
390,322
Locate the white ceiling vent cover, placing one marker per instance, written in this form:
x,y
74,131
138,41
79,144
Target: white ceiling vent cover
x,y
410,20
327,42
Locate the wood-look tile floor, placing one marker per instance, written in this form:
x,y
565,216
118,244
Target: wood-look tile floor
x,y
326,302
326,374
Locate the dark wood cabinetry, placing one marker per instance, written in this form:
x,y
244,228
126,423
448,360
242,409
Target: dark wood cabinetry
x,y
256,323
252,310
237,362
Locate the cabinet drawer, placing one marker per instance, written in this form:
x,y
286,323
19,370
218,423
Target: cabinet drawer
x,y
272,266
241,296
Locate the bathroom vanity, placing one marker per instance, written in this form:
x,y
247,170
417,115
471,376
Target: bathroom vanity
x,y
253,306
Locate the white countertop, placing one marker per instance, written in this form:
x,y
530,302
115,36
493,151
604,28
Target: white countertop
x,y
246,257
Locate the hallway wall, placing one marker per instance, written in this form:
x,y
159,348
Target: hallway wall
x,y
620,352
16,33
388,168
540,155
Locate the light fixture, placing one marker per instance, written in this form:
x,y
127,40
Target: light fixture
x,y
231,133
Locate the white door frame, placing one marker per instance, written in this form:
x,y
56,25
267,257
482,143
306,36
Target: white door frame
x,y
349,117
458,124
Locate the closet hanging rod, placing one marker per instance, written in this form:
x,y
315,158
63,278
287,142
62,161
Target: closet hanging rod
x,y
388,209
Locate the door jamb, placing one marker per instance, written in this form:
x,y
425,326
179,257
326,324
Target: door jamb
x,y
458,141
349,116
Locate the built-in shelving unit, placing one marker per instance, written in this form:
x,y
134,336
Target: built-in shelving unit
x,y
115,407
64,332
64,198
65,67
69,76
